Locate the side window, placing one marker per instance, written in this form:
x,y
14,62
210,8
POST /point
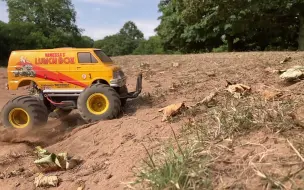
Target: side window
x,y
86,57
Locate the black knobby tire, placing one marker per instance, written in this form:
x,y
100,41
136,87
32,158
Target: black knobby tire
x,y
114,104
32,106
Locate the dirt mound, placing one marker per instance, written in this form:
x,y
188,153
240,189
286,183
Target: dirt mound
x,y
112,150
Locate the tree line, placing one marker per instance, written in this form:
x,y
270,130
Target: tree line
x,y
186,26
52,24
231,25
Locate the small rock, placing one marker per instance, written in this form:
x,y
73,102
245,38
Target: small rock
x,y
28,174
285,60
294,73
81,184
17,184
107,163
15,173
270,70
210,74
175,64
144,65
109,176
299,116
172,89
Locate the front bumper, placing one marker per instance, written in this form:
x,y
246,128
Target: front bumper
x,y
118,82
138,90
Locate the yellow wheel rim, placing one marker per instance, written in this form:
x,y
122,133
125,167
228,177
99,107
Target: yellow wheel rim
x,y
19,118
98,104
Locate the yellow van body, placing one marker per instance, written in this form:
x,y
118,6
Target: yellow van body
x,y
62,69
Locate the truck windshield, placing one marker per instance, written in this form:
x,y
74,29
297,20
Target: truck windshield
x,y
102,56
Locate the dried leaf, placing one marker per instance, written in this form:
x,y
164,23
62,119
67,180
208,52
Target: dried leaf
x,y
271,95
52,162
207,99
238,90
172,110
46,181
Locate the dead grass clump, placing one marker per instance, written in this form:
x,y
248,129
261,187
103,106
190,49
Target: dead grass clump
x,y
214,149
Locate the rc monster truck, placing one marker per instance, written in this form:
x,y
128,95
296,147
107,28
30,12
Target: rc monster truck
x,y
63,79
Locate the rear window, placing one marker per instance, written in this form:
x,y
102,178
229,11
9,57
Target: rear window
x,y
102,56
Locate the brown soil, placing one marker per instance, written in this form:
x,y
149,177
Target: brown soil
x,y
111,150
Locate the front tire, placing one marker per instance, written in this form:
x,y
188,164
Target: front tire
x,y
24,112
98,102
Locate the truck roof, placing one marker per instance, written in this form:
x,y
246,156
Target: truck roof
x,y
56,49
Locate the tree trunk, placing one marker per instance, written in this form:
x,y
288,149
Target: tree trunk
x,y
230,43
301,33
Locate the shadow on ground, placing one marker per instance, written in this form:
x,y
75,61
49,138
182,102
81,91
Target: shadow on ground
x,y
133,105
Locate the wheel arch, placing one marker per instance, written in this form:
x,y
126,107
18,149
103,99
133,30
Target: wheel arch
x,y
102,81
25,82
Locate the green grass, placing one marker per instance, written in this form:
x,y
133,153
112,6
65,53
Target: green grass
x,y
177,167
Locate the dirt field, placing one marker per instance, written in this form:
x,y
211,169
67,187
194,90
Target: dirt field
x,y
112,150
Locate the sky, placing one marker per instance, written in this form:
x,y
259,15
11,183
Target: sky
x,y
100,18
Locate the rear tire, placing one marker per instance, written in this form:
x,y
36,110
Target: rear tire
x,y
24,113
98,102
